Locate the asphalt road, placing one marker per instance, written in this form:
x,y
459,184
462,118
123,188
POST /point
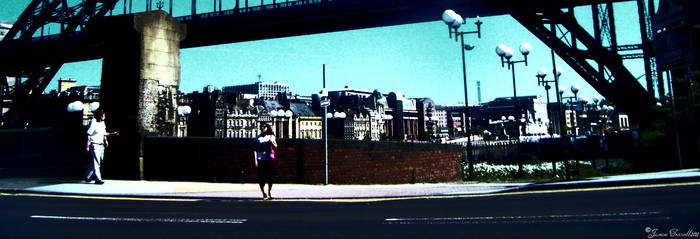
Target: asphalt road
x,y
648,212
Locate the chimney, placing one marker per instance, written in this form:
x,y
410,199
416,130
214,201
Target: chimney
x,y
64,84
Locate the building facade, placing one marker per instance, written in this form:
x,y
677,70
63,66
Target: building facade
x,y
241,122
264,90
530,119
427,120
208,116
364,112
308,123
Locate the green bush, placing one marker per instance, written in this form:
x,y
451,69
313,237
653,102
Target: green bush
x,y
494,172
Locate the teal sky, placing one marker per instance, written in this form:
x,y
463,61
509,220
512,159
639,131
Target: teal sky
x,y
418,60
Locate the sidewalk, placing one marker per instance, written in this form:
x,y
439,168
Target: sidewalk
x,y
194,190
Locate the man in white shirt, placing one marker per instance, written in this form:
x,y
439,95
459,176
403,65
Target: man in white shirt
x,y
96,144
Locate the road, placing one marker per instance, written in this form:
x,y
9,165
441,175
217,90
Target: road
x,y
670,211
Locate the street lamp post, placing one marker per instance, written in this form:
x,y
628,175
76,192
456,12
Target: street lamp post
x,y
597,109
506,53
279,124
336,117
607,110
572,100
434,129
75,106
182,113
541,74
324,103
584,115
454,21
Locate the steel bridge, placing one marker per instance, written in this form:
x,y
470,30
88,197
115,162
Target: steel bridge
x,y
34,58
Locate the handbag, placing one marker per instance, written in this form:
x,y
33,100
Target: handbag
x,y
272,153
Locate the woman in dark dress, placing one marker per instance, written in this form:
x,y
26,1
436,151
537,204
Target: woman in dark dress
x,y
263,155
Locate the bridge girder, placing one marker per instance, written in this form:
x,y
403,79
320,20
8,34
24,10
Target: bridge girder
x,y
367,13
612,79
38,14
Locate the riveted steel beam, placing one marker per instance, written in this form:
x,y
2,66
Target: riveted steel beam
x,y
37,14
621,87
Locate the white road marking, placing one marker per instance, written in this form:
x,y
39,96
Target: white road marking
x,y
601,217
160,220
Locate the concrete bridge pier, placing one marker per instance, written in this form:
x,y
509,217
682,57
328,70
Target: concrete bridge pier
x,y
140,81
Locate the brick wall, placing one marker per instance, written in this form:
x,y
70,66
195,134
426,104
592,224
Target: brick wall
x,y
43,152
300,161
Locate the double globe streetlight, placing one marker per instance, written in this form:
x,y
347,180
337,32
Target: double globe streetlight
x,y
77,106
541,74
572,100
281,115
453,22
336,115
184,110
506,54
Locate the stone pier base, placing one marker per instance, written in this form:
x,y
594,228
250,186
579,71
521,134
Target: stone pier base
x,y
140,80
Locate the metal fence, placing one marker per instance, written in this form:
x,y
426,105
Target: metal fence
x,y
534,150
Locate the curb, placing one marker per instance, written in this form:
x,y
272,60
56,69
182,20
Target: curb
x,y
595,184
194,196
541,186
233,198
151,197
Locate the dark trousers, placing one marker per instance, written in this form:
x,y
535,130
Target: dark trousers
x,y
265,175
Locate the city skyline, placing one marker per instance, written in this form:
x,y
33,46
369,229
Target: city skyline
x,y
418,60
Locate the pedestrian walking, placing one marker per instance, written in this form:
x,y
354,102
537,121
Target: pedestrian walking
x,y
96,144
264,155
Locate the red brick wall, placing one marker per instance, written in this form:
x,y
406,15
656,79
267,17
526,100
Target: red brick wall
x,y
301,161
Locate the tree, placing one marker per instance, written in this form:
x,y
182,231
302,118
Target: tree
x,y
400,137
368,137
383,137
424,136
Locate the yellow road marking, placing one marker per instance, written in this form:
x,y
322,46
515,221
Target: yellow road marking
x,y
355,200
134,198
489,194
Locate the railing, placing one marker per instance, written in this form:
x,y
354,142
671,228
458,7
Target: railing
x,y
250,9
54,36
265,7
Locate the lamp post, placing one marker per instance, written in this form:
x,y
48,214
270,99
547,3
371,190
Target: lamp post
x,y
336,115
506,53
78,106
598,110
454,21
325,103
607,110
75,106
289,130
541,74
386,119
374,119
434,130
503,127
584,115
571,100
281,115
182,112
